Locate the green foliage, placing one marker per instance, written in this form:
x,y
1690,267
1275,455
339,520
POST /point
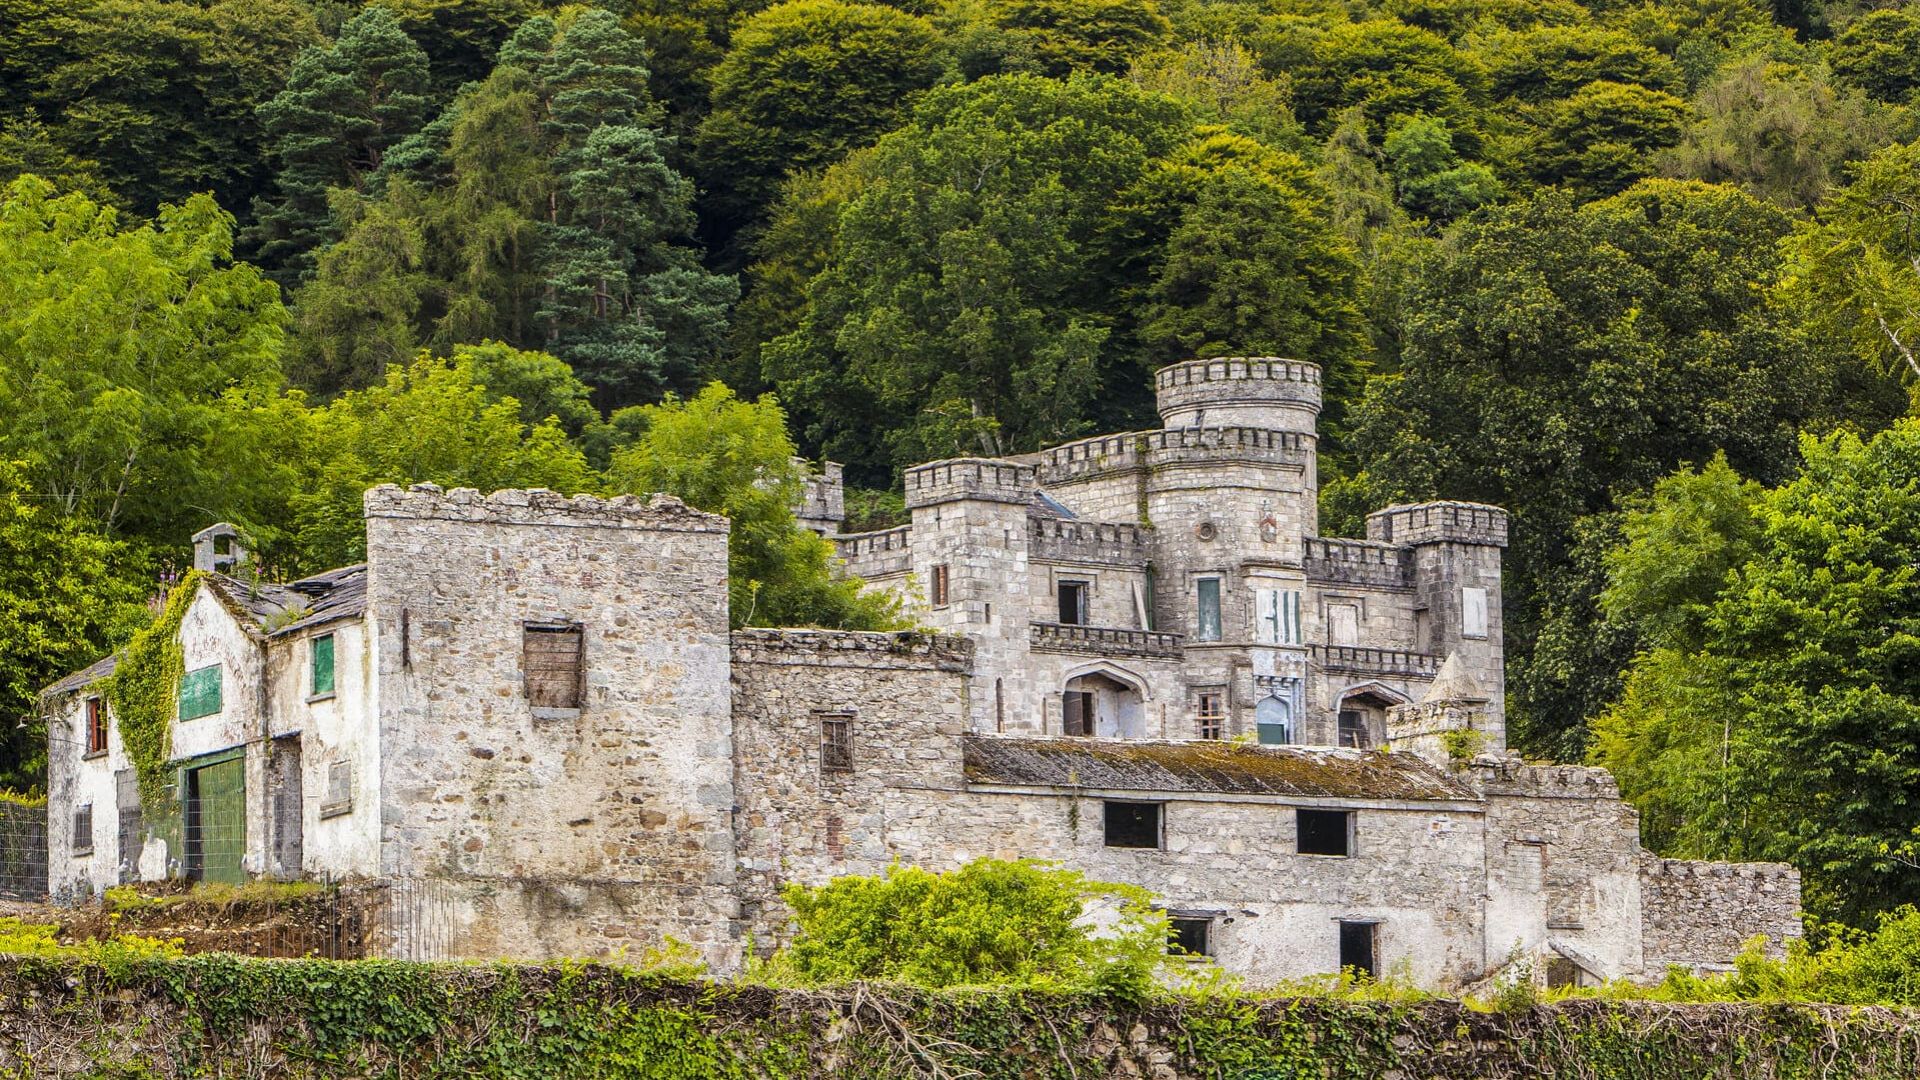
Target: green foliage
x,y
1600,139
1879,53
989,922
143,694
67,595
1431,179
119,953
1789,730
343,106
733,457
1388,69
1060,37
804,83
1856,270
130,361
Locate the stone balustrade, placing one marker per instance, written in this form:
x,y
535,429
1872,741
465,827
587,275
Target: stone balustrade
x,y
1106,641
1364,660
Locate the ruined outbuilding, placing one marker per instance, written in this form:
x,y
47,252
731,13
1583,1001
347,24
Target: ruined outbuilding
x,y
526,715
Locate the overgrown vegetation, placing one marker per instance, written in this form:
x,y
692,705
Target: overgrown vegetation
x,y
144,696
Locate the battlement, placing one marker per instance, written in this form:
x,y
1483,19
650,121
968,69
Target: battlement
x,y
1508,776
1137,450
538,506
1439,522
1654,868
987,479
1071,540
1256,391
853,648
1357,562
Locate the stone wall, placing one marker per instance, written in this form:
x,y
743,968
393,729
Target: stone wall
x,y
568,832
1699,914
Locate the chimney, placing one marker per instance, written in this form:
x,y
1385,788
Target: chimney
x,y
217,548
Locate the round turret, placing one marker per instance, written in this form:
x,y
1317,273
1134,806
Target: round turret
x,y
1240,391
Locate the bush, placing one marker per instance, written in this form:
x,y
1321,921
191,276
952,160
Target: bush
x,y
1020,923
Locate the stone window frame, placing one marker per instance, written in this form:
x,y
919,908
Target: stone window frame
x,y
1328,601
83,830
1219,580
94,717
1218,715
1084,585
836,740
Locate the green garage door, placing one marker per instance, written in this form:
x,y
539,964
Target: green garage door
x,y
217,821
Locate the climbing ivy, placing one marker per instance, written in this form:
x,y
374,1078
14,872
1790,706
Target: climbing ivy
x,y
144,694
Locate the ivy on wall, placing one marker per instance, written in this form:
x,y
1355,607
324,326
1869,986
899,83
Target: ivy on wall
x,y
222,1015
144,692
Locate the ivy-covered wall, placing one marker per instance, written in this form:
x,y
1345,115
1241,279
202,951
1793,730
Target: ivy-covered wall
x,y
223,1016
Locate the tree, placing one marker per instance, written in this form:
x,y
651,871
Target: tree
x,y
1781,132
804,83
967,300
130,361
343,106
1858,269
1601,139
733,457
67,596
541,212
1792,731
1548,63
988,922
1430,178
1390,69
1553,358
1066,36
461,37
162,93
1879,53
433,420
1223,83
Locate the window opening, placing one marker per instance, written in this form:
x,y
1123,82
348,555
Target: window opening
x,y
1073,603
1323,832
940,591
1353,729
1076,712
1207,615
1189,937
1357,948
322,665
1210,714
1133,825
96,727
836,743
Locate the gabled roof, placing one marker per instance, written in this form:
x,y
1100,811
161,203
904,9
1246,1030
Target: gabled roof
x,y
1205,766
85,677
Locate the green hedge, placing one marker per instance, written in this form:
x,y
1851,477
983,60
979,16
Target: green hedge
x,y
226,1016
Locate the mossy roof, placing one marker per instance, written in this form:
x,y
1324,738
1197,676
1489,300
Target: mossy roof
x,y
1206,766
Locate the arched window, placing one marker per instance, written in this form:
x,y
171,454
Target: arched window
x,y
1274,718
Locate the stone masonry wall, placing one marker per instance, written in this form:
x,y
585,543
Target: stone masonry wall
x,y
1699,914
563,833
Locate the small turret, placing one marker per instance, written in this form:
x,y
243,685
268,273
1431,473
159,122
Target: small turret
x,y
218,548
1262,392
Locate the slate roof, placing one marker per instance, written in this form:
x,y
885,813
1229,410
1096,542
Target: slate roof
x,y
322,598
1205,766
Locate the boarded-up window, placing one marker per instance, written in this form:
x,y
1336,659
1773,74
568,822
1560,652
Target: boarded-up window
x,y
1343,624
83,829
96,727
126,791
1473,613
322,665
836,742
553,666
339,789
940,594
1206,623
200,692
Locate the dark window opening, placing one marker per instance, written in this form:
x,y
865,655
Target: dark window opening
x,y
1210,715
1189,937
1073,603
836,744
1133,825
96,727
940,590
1353,729
553,666
1562,972
1357,948
1324,832
1076,712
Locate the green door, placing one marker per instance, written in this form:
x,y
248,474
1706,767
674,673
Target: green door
x,y
217,821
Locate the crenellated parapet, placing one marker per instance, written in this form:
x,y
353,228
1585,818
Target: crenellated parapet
x,y
1357,562
538,506
1510,776
1098,542
1439,523
983,479
1251,391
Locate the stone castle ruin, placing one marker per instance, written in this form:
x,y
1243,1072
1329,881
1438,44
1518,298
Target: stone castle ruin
x,y
1146,664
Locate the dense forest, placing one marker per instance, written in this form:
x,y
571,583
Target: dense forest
x,y
1642,271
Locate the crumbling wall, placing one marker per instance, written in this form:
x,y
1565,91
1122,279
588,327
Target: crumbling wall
x,y
1699,914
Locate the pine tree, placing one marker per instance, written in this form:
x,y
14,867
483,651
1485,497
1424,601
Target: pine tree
x,y
343,107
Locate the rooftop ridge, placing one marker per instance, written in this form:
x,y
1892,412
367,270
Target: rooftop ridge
x,y
538,506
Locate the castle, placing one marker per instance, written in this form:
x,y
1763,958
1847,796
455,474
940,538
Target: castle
x,y
1147,665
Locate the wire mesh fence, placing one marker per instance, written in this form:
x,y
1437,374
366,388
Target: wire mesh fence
x,y
23,851
406,919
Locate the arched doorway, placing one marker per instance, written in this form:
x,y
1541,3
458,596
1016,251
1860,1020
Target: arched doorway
x,y
1362,716
1096,703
